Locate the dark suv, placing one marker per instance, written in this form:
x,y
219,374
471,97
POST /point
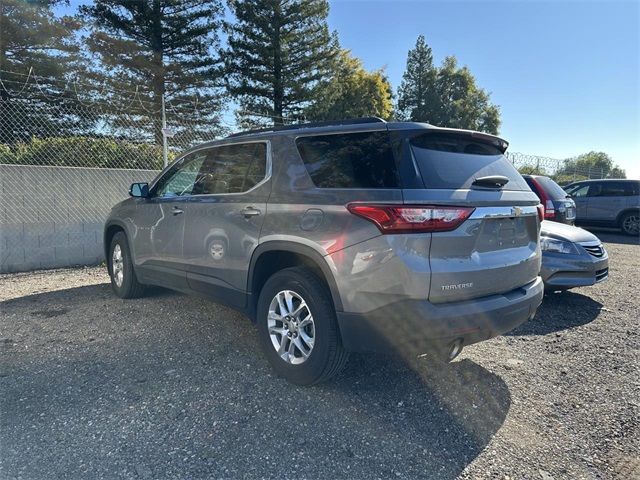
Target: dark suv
x,y
608,203
357,235
558,205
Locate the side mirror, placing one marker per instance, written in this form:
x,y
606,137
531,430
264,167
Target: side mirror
x,y
140,189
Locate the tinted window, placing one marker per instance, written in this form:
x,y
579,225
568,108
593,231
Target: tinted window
x,y
607,189
181,177
354,160
454,161
232,169
551,188
578,191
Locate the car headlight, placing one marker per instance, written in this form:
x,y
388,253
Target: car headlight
x,y
557,246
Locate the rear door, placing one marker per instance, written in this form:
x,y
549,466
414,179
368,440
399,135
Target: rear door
x,y
606,200
224,219
496,249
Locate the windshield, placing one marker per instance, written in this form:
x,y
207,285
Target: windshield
x,y
450,161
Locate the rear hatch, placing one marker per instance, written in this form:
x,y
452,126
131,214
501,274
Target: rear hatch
x,y
496,249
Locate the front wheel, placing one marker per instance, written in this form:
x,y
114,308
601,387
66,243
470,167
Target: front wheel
x,y
297,327
630,223
123,278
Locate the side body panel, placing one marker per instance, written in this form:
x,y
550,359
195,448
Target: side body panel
x,y
158,229
221,234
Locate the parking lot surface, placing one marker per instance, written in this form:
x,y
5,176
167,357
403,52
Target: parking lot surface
x,y
170,386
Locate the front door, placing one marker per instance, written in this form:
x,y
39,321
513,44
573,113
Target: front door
x,y
224,219
579,196
160,222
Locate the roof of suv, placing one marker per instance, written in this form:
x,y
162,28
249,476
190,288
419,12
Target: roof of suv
x,y
355,125
592,180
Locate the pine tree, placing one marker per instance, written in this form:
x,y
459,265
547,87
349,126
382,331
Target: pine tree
x,y
278,51
351,92
162,48
38,54
446,96
417,96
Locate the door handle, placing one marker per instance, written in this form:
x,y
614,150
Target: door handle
x,y
176,211
250,212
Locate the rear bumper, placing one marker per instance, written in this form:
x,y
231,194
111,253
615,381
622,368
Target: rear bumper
x,y
412,327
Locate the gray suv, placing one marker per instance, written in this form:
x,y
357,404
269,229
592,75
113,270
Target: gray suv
x,y
608,203
357,235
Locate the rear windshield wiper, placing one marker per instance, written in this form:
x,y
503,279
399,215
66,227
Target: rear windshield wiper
x,y
492,181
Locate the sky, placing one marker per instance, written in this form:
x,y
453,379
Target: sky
x,y
565,73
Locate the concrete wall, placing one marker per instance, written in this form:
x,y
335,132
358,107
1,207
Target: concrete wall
x,y
53,217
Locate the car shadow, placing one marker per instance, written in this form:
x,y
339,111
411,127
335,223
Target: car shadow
x,y
175,386
560,311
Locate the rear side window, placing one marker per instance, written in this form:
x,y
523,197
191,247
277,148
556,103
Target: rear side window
x,y
613,189
449,161
353,160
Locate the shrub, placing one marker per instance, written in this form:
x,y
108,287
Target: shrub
x,y
84,152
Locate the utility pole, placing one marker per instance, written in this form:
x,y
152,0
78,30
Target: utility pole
x,y
165,146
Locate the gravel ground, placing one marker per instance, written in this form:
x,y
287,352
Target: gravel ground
x,y
170,386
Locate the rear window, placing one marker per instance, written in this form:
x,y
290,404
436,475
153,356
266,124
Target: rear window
x,y
551,188
353,160
453,161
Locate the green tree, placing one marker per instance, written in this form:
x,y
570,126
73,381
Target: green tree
x,y
38,54
351,92
278,51
462,103
164,48
446,96
31,36
417,95
591,165
532,170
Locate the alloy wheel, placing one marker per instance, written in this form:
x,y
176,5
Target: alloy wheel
x,y
291,327
631,224
117,265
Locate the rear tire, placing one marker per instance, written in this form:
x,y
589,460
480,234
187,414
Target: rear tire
x,y
314,328
630,223
123,277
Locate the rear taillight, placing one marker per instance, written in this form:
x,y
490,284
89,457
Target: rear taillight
x,y
412,219
540,212
549,209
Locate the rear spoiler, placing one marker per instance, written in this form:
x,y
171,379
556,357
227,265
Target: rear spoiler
x,y
498,142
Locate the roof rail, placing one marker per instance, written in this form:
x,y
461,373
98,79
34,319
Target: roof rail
x,y
329,123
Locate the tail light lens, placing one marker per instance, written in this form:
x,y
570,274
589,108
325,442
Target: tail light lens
x,y
540,212
549,210
412,219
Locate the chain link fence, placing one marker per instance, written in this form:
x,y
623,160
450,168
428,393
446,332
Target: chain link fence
x,y
562,171
69,151
67,154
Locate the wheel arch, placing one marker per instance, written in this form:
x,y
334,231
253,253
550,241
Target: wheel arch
x,y
110,229
273,256
624,212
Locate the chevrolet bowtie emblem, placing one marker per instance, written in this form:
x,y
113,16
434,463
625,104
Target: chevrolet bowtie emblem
x,y
516,211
